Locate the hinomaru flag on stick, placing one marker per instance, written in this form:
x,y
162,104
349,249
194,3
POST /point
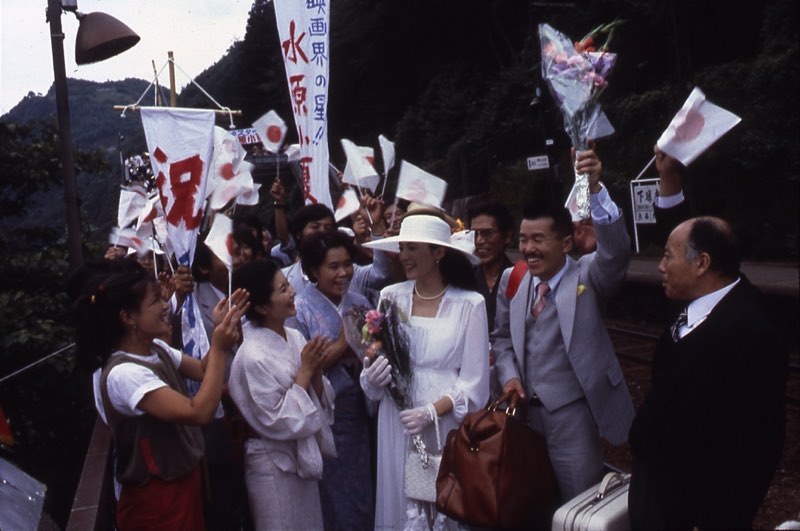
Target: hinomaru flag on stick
x,y
360,170
132,200
419,186
348,204
220,239
180,142
304,29
697,125
271,129
230,176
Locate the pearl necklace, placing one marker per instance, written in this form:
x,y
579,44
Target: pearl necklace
x,y
432,297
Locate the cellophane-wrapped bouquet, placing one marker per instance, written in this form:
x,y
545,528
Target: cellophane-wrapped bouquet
x,y
372,333
577,73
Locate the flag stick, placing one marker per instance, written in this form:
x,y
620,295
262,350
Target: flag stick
x,y
645,168
394,212
155,264
230,282
369,216
383,188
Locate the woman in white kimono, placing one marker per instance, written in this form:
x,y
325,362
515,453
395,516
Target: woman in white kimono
x,y
449,355
276,382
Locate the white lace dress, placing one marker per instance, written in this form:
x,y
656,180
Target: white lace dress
x,y
449,356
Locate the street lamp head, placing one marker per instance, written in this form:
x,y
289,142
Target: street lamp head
x,y
101,36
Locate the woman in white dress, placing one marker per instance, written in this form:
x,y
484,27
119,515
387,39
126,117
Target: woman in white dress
x,y
448,344
277,383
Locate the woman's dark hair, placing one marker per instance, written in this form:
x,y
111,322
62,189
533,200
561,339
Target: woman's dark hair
x,y
102,292
257,277
244,236
306,215
457,270
250,222
314,249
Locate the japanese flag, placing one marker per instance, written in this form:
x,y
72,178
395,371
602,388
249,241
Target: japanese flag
x,y
126,237
230,176
150,210
271,130
249,198
293,153
387,150
132,200
697,125
359,170
348,204
419,186
220,239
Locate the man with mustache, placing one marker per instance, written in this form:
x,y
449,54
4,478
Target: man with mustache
x,y
553,350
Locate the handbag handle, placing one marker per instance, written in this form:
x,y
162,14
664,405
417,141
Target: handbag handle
x,y
605,485
474,445
509,396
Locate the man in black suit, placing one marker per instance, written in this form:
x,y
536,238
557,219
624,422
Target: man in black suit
x,y
708,437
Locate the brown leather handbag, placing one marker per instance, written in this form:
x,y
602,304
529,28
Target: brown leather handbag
x,y
495,472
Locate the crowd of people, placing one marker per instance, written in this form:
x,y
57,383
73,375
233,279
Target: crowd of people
x,y
293,427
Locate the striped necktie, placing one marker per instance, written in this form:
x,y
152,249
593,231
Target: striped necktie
x,y
682,320
541,300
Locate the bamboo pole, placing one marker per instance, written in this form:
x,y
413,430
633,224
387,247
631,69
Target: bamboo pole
x,y
173,95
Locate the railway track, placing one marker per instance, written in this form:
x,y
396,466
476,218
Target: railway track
x,y
635,345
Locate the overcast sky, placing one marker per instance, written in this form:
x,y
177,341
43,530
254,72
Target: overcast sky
x,y
197,31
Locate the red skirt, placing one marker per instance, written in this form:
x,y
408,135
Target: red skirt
x,y
163,505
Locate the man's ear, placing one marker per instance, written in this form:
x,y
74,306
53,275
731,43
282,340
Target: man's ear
x,y
568,242
703,261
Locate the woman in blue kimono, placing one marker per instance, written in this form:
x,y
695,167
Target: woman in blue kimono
x,y
346,487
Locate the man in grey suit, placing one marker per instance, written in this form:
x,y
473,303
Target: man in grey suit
x,y
552,347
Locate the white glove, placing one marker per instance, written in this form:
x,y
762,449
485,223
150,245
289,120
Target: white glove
x,y
375,376
415,420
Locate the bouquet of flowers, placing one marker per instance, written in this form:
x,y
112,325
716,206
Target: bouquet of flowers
x,y
576,74
372,333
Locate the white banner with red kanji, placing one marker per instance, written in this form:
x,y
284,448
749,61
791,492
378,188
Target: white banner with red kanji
x,y
304,32
180,142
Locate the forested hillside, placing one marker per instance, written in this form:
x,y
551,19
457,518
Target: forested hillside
x,y
454,83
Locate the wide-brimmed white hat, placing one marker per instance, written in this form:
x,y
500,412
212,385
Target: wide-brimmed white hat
x,y
423,228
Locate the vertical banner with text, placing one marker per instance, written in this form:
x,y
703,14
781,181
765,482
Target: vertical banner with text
x,y
303,27
180,142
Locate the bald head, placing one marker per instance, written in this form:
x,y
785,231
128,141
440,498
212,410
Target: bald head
x,y
715,237
701,256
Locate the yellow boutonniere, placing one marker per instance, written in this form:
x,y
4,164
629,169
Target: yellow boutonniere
x,y
581,289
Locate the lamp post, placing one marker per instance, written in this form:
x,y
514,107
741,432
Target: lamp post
x,y
99,37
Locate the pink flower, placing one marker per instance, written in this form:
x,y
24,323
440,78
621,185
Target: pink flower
x,y
374,319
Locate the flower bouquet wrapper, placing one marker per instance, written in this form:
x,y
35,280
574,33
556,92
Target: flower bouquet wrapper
x,y
576,74
372,333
